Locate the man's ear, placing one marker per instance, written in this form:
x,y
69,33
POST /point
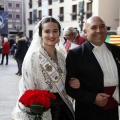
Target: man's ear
x,y
106,27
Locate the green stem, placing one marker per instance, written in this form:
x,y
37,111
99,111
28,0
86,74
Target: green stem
x,y
38,117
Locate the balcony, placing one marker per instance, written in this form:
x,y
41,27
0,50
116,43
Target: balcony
x,y
30,20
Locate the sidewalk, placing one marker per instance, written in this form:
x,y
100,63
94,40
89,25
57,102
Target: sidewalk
x,y
8,88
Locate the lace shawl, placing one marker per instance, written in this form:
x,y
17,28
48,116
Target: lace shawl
x,y
35,78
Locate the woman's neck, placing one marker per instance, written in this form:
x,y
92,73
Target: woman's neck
x,y
51,51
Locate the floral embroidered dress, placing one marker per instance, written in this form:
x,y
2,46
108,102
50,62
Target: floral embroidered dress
x,y
35,77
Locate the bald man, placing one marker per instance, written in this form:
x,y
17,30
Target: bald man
x,y
97,66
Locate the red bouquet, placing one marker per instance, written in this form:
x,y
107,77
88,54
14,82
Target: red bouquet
x,y
38,101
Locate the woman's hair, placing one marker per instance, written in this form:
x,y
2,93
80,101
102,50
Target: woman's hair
x,y
46,20
5,39
69,30
19,35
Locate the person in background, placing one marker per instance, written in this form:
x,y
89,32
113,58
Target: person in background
x,y
73,38
28,41
44,69
1,42
97,66
5,51
20,52
11,41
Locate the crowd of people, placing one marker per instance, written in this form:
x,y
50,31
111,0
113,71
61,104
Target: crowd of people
x,y
15,48
84,70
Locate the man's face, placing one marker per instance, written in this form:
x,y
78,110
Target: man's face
x,y
96,31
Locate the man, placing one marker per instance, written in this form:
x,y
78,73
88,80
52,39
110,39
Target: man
x,y
20,52
97,66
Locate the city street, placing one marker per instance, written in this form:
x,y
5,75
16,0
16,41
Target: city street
x,y
8,88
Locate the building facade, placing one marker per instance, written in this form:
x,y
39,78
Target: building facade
x,y
16,19
65,11
24,14
71,12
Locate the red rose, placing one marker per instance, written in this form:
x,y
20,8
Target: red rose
x,y
41,97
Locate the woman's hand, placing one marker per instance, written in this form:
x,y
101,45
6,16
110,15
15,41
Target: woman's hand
x,y
74,83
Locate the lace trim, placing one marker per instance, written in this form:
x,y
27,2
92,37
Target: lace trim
x,y
24,116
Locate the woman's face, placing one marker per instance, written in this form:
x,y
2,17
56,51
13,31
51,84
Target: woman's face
x,y
70,36
50,34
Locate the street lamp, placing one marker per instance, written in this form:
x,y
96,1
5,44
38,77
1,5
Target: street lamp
x,y
81,15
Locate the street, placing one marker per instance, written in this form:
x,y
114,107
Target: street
x,y
8,88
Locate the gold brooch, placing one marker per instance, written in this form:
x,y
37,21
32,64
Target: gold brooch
x,y
48,67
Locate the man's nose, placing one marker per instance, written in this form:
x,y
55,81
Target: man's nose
x,y
98,29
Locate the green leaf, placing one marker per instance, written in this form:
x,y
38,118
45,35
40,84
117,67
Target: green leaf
x,y
37,109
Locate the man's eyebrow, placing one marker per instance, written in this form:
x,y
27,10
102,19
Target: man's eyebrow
x,y
96,25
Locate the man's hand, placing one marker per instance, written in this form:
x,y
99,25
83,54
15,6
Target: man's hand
x,y
101,99
74,83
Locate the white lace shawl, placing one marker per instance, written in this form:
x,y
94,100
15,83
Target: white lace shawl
x,y
35,78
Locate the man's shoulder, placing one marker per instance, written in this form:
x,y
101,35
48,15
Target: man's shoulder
x,y
113,46
78,50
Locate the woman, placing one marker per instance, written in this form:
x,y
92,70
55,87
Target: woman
x,y
43,56
20,52
5,51
73,38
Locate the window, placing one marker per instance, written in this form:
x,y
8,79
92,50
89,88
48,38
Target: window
x,y
39,3
17,16
49,2
17,5
50,12
39,15
9,4
10,16
61,1
30,18
30,3
17,27
74,12
61,16
30,33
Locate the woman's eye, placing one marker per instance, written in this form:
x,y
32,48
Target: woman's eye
x,y
55,31
47,31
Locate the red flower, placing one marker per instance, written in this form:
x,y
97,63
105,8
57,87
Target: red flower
x,y
41,97
38,101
